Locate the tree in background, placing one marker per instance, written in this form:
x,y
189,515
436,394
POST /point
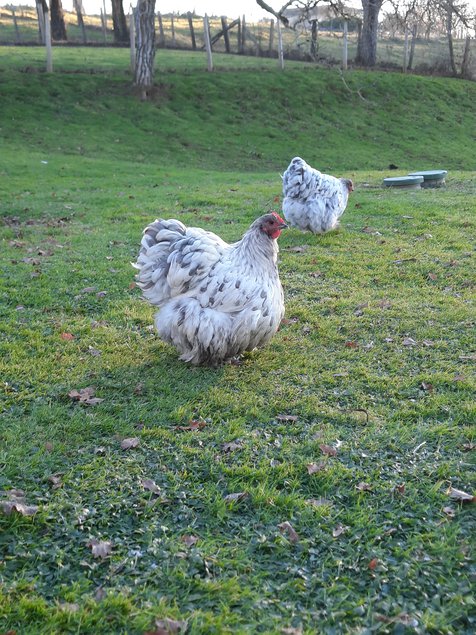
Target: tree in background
x,y
121,32
145,46
367,45
58,27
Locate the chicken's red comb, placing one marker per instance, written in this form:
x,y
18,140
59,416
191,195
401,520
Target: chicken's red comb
x,y
277,216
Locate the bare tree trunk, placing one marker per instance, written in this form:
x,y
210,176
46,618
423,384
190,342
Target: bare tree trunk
x,y
41,10
465,64
192,31
58,28
449,25
314,46
367,45
412,46
145,46
119,23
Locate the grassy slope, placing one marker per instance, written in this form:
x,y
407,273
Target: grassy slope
x,y
113,164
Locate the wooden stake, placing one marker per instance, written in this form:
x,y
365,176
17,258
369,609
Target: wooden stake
x,y
280,47
15,24
226,37
132,31
192,31
271,36
208,47
405,52
49,54
345,47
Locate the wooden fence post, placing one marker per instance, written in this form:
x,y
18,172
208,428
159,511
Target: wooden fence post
x,y
15,24
192,31
49,53
243,35
77,4
161,30
172,26
104,26
226,37
345,47
208,47
41,22
240,51
280,47
271,37
132,31
405,51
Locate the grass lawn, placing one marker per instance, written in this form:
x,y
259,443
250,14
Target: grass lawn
x,y
307,490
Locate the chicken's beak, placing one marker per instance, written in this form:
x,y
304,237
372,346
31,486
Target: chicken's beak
x,y
283,225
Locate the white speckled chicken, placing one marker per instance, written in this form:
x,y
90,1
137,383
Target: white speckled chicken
x,y
216,300
312,200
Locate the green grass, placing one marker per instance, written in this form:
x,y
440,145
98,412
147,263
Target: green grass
x,y
84,166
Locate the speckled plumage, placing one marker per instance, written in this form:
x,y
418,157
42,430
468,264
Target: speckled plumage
x,y
216,300
311,200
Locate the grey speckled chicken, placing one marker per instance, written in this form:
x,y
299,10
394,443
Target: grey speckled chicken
x,y
216,300
313,201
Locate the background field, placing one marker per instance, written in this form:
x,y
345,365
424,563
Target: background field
x,y
375,360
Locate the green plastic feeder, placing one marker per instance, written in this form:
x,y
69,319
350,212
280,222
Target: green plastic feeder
x,y
431,178
404,182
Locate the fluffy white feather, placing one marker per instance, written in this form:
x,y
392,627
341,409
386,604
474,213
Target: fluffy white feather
x,y
313,200
216,300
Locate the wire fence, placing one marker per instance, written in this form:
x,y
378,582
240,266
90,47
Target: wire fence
x,y
325,44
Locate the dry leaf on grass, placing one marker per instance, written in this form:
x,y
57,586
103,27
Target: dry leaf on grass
x,y
318,502
67,336
373,564
131,442
459,495
189,540
364,487
231,446
328,449
409,341
55,480
449,511
194,425
339,530
16,503
100,548
167,626
400,489
288,529
234,498
150,485
85,396
287,417
313,468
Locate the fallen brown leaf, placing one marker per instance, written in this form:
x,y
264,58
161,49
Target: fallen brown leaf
x,y
409,341
100,548
318,502
426,386
193,426
231,446
131,442
459,495
85,396
150,485
373,564
400,489
189,540
238,496
67,336
167,626
432,276
10,506
449,511
313,468
351,344
467,447
328,449
55,480
339,530
288,529
364,487
287,417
